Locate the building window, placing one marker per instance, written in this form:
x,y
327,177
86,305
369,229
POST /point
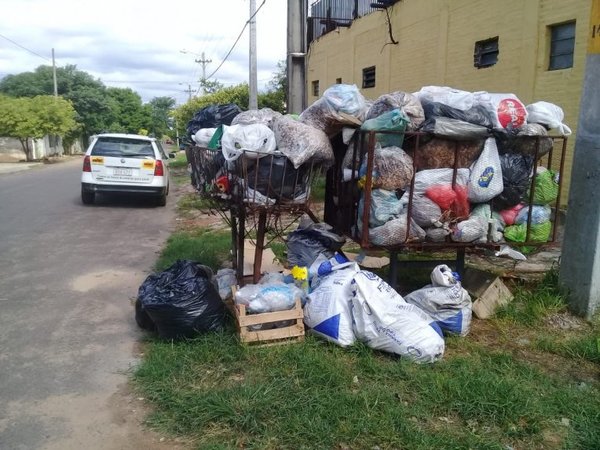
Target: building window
x,y
368,80
562,45
338,81
315,88
486,53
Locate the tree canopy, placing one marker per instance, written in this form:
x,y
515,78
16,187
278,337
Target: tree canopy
x,y
35,117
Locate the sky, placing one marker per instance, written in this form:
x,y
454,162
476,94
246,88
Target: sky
x,y
139,44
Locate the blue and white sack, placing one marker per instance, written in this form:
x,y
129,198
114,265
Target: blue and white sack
x,y
445,300
328,309
384,321
486,174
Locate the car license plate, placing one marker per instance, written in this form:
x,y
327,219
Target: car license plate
x,y
122,171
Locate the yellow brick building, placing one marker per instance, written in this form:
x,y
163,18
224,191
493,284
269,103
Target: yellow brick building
x,y
436,45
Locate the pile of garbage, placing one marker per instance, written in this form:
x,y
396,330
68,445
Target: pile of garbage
x,y
270,157
483,196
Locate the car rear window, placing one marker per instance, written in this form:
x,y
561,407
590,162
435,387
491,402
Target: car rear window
x,y
128,148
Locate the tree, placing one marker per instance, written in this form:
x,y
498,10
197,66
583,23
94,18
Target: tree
x,y
160,111
128,112
211,86
24,118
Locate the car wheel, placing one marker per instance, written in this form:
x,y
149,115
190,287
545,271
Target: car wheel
x,y
161,200
87,198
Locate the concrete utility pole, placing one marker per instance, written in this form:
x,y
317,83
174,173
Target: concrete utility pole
x,y
580,260
203,62
54,75
189,90
253,82
296,55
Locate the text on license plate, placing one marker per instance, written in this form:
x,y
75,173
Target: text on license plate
x,y
122,171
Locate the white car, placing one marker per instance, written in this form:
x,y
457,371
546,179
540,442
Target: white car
x,y
125,163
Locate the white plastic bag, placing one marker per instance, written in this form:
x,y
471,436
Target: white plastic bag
x,y
445,300
394,232
548,114
506,110
454,98
268,297
254,141
203,136
470,230
384,321
486,174
328,309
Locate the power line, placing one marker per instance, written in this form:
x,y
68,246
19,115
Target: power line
x,y
24,48
236,41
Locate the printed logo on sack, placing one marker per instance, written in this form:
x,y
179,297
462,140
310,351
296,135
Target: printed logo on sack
x,y
511,113
486,177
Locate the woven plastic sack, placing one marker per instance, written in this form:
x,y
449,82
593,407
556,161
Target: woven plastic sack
x,y
409,104
394,232
548,114
340,105
470,230
424,211
529,137
328,309
486,174
253,141
440,153
427,178
445,300
546,186
385,205
393,120
393,168
539,214
265,116
302,143
384,321
437,234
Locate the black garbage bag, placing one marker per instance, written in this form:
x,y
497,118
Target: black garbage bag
x,y
212,116
516,174
478,114
276,177
181,301
308,241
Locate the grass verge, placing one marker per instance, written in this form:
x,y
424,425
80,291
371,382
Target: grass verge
x,y
514,382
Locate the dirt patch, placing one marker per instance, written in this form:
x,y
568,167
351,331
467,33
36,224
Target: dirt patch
x,y
98,279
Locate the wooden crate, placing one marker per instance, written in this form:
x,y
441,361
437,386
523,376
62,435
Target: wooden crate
x,y
291,333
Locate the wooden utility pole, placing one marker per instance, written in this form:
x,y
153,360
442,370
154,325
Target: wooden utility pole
x,y
580,257
54,75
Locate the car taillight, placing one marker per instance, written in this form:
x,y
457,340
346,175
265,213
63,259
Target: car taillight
x,y
87,166
158,169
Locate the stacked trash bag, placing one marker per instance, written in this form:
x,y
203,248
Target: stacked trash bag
x,y
418,191
261,155
344,304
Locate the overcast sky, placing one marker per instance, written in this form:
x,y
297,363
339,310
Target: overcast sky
x,y
138,44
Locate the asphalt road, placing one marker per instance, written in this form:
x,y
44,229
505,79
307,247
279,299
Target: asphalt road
x,y
68,337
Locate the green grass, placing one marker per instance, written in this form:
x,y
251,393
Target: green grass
x,y
532,304
210,248
486,393
317,192
180,161
316,395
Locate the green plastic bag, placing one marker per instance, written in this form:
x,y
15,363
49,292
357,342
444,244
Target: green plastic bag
x,y
537,233
215,142
394,120
546,187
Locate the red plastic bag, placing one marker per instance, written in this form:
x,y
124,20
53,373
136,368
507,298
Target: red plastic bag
x,y
509,215
450,199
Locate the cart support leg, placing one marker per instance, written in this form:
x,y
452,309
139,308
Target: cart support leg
x,y
241,233
393,275
260,243
460,261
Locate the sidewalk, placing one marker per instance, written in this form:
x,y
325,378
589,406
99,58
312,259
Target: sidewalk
x,y
12,167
